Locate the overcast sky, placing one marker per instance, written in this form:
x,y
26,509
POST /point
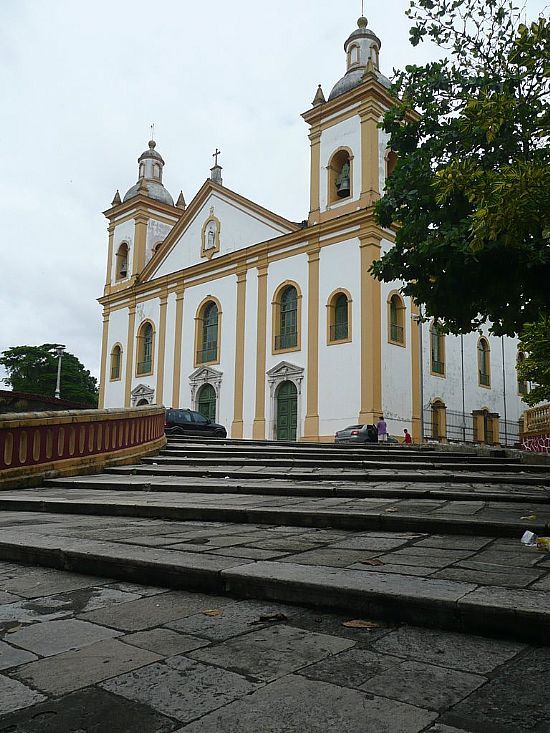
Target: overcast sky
x,y
81,82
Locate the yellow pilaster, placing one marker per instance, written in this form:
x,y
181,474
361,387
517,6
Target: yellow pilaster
x,y
258,428
315,176
370,177
237,426
415,374
104,348
178,336
111,230
162,349
130,348
311,424
140,243
371,332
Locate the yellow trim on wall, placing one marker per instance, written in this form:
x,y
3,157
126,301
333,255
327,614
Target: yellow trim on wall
x,y
159,396
330,316
198,332
371,336
140,243
111,230
237,425
178,338
130,354
415,374
258,427
370,170
276,317
315,174
311,423
103,368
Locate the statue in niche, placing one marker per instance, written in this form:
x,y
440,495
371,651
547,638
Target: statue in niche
x,y
211,236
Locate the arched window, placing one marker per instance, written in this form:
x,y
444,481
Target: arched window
x,y
437,349
353,55
116,362
396,320
523,387
122,262
340,176
391,162
145,349
208,333
339,317
286,336
483,362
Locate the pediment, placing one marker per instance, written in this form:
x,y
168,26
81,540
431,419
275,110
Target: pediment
x,y
285,370
142,390
217,222
205,374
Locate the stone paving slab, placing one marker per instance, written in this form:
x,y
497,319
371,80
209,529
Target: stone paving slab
x,y
308,672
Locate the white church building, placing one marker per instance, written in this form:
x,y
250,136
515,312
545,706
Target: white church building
x,y
276,329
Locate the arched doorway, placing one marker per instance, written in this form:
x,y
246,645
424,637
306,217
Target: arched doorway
x,y
207,402
287,411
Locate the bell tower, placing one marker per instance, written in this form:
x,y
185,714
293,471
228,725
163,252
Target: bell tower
x,y
347,148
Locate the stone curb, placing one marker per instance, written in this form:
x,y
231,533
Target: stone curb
x,y
422,601
322,519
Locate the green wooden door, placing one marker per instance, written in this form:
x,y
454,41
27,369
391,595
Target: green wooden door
x,y
287,411
207,402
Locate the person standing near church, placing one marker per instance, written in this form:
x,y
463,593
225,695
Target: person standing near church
x,y
382,429
408,439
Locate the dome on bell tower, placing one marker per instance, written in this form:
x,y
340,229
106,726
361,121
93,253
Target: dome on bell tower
x,y
362,52
149,183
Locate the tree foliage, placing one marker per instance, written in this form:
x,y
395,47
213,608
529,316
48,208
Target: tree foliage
x,y
471,189
535,367
34,369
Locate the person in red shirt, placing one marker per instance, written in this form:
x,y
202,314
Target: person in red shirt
x,y
408,439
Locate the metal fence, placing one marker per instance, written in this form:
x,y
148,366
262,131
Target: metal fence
x,y
460,428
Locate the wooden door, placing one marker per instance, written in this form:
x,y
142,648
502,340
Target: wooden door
x,y
287,411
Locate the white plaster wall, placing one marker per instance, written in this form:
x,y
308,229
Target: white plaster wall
x,y
224,289
157,231
339,364
149,310
296,269
345,134
396,368
118,333
123,233
250,352
166,398
239,228
476,397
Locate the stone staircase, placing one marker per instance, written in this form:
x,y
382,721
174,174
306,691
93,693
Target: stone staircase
x,y
403,533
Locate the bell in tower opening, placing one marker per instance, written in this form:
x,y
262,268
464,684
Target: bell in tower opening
x,y
343,187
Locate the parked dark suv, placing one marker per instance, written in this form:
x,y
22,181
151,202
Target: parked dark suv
x,y
189,422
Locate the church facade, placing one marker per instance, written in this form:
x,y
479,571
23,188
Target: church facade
x,y
276,329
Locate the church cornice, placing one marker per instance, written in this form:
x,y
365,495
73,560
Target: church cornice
x,y
142,204
356,224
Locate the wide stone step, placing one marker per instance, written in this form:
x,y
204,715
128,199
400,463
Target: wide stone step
x,y
497,519
167,456
160,466
344,456
281,487
451,604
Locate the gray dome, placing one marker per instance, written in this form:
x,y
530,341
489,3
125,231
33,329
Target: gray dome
x,y
154,191
151,153
353,79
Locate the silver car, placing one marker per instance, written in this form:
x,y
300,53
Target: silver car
x,y
357,434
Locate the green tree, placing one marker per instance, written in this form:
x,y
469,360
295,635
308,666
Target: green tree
x,y
535,367
471,189
34,369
